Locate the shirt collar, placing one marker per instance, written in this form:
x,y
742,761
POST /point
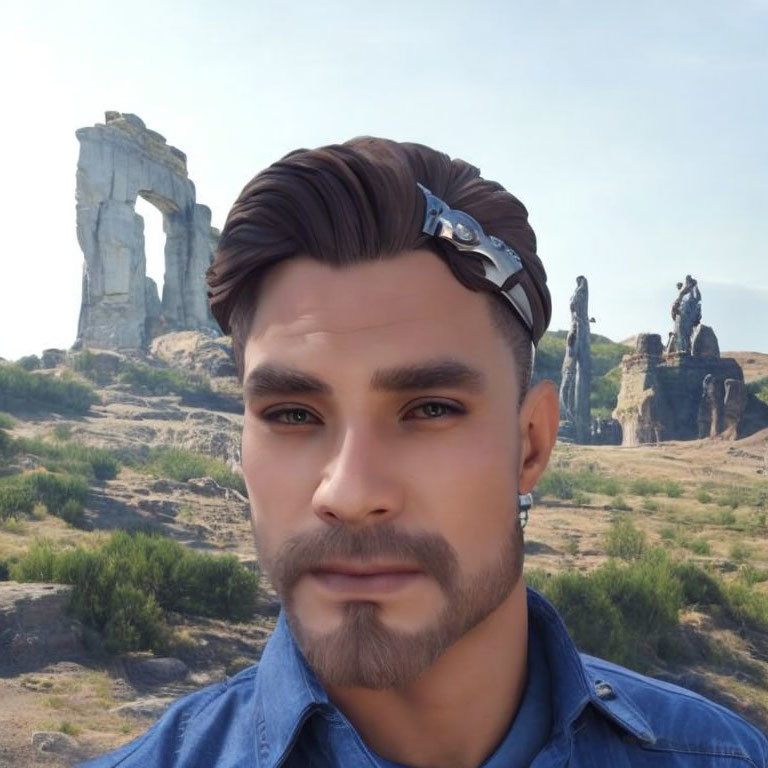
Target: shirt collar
x,y
574,685
289,693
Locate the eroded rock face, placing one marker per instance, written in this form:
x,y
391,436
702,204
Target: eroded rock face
x,y
35,627
197,351
682,396
120,160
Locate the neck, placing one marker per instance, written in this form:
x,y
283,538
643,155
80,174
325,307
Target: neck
x,y
440,720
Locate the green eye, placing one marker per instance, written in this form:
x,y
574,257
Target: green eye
x,y
435,410
291,416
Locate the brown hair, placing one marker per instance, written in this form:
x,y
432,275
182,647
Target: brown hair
x,y
358,201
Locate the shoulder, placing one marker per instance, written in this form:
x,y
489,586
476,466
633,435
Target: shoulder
x,y
678,720
213,726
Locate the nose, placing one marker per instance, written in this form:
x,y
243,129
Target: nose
x,y
358,485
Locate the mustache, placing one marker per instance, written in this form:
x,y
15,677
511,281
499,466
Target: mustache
x,y
308,551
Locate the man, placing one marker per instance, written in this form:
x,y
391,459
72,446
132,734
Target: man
x,y
383,301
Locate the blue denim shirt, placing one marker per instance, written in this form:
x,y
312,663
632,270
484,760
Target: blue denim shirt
x,y
277,715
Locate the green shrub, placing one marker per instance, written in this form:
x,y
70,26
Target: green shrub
x,y
182,465
649,505
645,486
17,496
7,421
125,587
60,493
589,613
85,364
564,483
700,547
74,458
625,541
625,612
56,490
673,489
698,586
746,605
162,381
62,432
20,389
759,388
704,497
73,512
29,362
725,517
619,505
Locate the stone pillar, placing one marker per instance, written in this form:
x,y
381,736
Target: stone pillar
x,y
120,160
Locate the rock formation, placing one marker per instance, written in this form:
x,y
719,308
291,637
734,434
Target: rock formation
x,y
684,396
577,369
35,626
121,309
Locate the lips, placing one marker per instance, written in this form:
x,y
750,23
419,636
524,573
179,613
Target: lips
x,y
365,578
366,569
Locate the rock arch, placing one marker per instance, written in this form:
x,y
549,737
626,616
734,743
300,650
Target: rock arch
x,y
120,160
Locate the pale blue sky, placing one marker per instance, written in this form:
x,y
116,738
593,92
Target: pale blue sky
x,y
635,133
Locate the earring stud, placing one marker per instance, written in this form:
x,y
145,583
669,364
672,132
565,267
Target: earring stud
x,y
524,504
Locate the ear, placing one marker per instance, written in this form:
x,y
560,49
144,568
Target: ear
x,y
539,420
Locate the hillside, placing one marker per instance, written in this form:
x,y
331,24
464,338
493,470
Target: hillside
x,y
149,447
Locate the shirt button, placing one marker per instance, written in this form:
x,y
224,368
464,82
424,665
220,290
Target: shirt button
x,y
604,690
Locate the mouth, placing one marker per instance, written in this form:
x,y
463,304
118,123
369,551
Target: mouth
x,y
359,578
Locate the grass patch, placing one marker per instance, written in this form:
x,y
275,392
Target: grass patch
x,y
162,381
649,505
182,465
69,728
74,458
704,497
646,486
734,496
566,483
673,489
625,541
62,432
6,420
740,552
725,517
21,390
125,587
699,546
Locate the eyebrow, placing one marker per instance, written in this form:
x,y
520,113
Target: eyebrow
x,y
271,379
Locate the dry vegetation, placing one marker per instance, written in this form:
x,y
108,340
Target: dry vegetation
x,y
702,503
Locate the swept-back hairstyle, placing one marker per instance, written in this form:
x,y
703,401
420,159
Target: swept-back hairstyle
x,y
359,201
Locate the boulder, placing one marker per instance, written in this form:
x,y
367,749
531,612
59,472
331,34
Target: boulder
x,y
704,342
54,743
151,672
196,351
35,627
53,358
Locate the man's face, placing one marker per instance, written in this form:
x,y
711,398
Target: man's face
x,y
381,455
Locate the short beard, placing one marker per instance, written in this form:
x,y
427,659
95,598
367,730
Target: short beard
x,y
363,652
